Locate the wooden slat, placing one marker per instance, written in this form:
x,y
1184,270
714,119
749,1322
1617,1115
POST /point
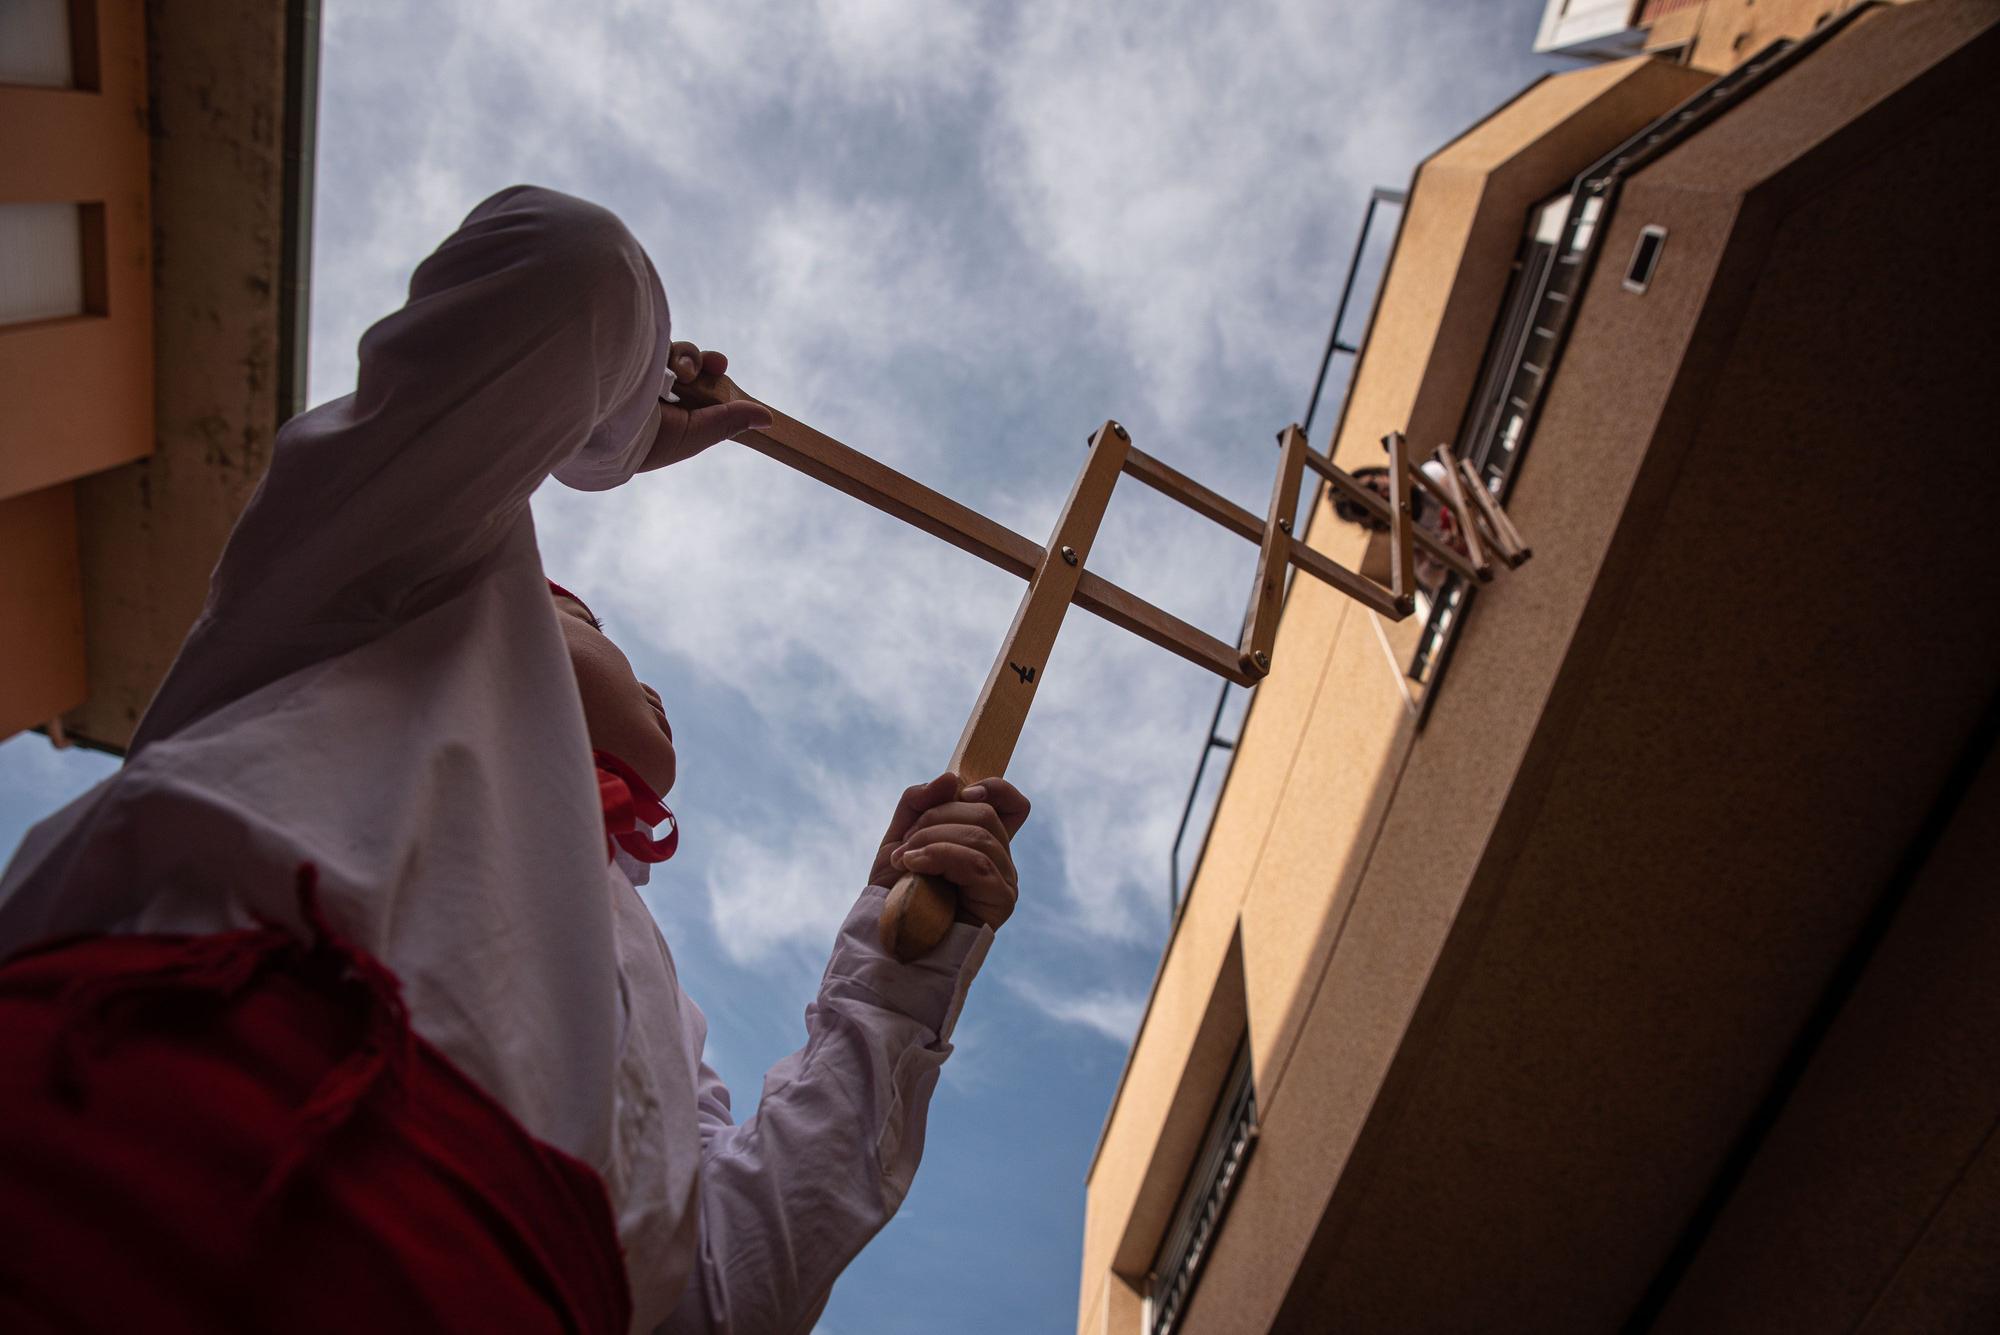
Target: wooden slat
x,y
1358,587
796,445
1236,519
1375,505
1468,519
1128,611
1491,533
1402,560
1170,481
920,909
1267,595
1508,538
988,741
1431,485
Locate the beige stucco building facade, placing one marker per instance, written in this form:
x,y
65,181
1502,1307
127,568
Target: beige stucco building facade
x,y
1610,948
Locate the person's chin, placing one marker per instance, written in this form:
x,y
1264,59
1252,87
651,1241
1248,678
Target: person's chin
x,y
660,769
650,755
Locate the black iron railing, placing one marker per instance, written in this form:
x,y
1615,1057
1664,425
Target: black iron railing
x,y
1334,345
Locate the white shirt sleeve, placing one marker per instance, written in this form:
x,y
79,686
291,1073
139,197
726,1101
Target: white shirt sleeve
x,y
534,341
788,1198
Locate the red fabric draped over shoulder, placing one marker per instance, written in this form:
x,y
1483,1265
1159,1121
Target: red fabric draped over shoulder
x,y
240,1132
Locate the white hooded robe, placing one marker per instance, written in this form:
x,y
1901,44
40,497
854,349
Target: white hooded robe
x,y
378,685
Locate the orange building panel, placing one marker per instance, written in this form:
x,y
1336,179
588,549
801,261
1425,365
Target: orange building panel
x,y
41,608
76,394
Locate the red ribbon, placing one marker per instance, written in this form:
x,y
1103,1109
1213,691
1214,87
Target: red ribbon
x,y
631,809
561,592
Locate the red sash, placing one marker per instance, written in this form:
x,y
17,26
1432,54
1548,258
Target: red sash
x,y
241,1132
630,809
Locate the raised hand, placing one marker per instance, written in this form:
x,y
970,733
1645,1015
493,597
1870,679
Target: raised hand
x,y
962,835
684,433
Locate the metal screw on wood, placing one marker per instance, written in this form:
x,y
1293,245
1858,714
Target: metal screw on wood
x,y
1069,555
1284,526
1262,660
1120,429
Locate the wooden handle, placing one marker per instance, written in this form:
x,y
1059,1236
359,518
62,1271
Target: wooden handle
x,y
917,915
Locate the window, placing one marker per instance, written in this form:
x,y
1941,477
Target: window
x,y
1547,227
1645,258
48,43
1593,209
1520,362
1218,1168
1570,25
1523,350
51,261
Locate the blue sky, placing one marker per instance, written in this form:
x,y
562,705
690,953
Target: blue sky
x,y
957,237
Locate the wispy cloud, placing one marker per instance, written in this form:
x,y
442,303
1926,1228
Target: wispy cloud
x,y
1183,167
1107,1012
777,881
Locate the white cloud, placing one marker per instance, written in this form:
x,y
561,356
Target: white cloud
x,y
1108,1012
839,286
1187,168
790,882
901,45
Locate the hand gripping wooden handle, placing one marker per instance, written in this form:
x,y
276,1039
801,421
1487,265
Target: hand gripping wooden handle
x,y
917,915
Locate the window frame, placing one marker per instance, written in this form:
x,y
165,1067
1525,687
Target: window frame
x,y
1205,1197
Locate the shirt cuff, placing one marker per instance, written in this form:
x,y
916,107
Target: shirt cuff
x,y
604,462
930,990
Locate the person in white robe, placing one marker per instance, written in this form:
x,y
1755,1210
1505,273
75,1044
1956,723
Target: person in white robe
x,y
382,686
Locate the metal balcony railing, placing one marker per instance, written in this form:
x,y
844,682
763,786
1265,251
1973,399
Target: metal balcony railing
x,y
1335,345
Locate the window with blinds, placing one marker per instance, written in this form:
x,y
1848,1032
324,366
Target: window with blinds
x,y
1211,1184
